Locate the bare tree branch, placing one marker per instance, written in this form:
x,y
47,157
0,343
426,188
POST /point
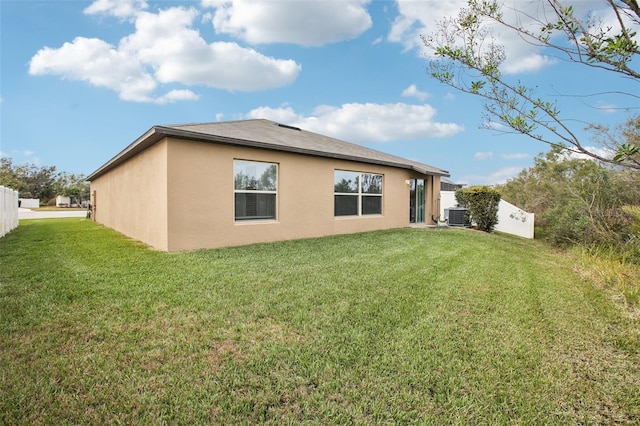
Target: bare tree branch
x,y
468,58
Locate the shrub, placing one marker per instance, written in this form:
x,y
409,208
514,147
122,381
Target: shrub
x,y
634,212
632,244
482,205
580,202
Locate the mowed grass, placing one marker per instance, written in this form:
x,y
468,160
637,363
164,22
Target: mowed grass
x,y
403,326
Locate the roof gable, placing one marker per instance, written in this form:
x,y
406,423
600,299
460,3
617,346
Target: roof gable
x,y
266,134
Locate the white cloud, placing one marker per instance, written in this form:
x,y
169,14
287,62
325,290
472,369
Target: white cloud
x,y
515,156
483,155
283,114
98,63
177,95
602,152
494,178
412,91
528,63
608,108
117,8
178,53
27,156
418,18
494,125
365,122
163,49
504,174
307,23
35,160
449,96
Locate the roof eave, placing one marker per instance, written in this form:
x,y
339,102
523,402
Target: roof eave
x,y
140,144
424,171
157,133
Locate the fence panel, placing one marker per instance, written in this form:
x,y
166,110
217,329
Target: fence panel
x,y
511,219
8,210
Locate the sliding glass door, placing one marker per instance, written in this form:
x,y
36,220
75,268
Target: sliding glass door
x,y
416,201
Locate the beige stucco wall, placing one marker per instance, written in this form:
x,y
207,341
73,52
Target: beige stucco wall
x,y
432,199
178,195
132,198
201,200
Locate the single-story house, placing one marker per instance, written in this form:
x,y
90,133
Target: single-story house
x,y
209,185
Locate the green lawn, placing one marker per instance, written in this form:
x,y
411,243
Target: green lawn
x,y
440,326
59,209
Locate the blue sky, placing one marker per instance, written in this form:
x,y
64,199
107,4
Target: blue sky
x,y
81,80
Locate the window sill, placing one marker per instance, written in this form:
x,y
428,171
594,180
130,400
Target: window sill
x,y
364,216
255,222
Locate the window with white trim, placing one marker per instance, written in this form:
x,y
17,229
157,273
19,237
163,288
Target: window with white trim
x,y
255,189
356,193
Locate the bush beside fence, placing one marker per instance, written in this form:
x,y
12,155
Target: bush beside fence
x,y
8,210
511,219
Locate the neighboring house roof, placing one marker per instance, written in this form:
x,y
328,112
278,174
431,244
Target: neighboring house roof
x,y
268,135
449,185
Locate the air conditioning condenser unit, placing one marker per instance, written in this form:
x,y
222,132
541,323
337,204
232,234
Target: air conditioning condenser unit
x,y
457,216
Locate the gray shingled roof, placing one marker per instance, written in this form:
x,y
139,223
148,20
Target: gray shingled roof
x,y
269,135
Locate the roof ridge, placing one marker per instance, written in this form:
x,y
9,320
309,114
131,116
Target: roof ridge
x,y
212,122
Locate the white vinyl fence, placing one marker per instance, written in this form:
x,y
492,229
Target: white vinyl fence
x,y
8,210
511,219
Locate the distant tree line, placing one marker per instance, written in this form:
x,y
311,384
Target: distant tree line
x,y
580,202
577,200
43,182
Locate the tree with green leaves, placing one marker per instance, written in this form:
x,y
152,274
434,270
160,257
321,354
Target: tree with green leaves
x,y
468,58
72,185
625,139
9,176
42,182
30,180
576,201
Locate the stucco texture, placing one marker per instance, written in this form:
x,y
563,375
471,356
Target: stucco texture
x,y
179,195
